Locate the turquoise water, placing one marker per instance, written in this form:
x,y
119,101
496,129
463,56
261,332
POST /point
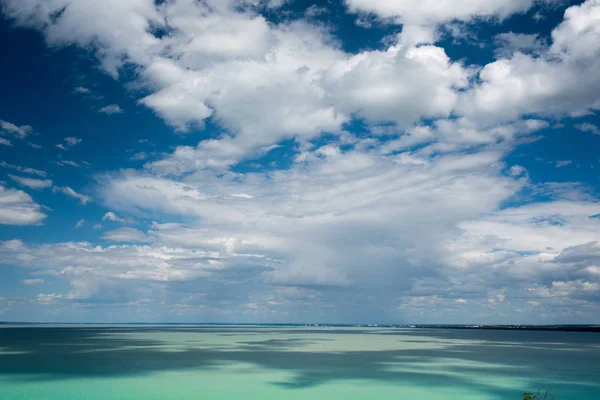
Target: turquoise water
x,y
245,362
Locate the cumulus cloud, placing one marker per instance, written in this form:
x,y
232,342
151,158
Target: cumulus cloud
x,y
31,183
18,208
111,109
292,219
509,43
318,225
71,193
560,81
431,11
20,132
218,55
5,142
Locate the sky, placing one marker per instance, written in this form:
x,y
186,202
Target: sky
x,y
296,161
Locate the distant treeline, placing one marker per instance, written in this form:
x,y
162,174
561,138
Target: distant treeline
x,y
562,328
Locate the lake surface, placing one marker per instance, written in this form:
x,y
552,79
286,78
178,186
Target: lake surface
x,y
266,362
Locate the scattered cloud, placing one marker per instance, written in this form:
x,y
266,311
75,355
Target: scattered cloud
x,y
111,216
18,208
79,223
43,298
31,183
111,109
563,163
70,163
587,127
71,193
126,235
68,143
83,90
18,131
315,11
5,142
140,156
24,170
32,281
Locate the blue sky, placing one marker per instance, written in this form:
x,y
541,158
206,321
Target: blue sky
x,y
294,161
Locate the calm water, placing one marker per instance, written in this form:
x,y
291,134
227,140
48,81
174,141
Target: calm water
x,y
242,362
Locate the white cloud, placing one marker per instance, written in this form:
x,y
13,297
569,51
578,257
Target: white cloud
x,y
32,281
111,216
43,298
31,183
218,56
86,22
82,263
79,223
315,11
19,131
126,235
70,163
561,81
18,208
24,170
68,143
83,90
111,109
510,43
587,127
313,220
309,203
434,12
5,142
72,141
400,85
563,163
139,156
71,193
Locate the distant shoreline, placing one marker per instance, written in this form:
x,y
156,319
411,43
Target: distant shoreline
x,y
550,328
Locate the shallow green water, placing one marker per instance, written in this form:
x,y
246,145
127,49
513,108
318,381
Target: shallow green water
x,y
242,362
